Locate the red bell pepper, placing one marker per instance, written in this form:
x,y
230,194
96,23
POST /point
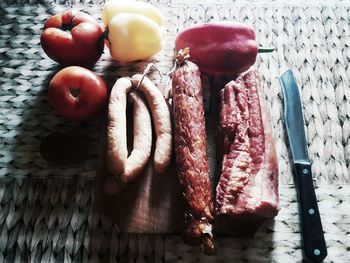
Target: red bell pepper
x,y
221,48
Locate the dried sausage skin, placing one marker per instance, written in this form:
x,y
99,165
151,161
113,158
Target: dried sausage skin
x,y
161,119
191,155
142,142
117,152
124,168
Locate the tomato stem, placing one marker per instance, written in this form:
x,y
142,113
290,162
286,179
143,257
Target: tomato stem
x,y
67,27
75,92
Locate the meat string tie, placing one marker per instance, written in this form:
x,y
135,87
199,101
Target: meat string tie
x,y
145,72
181,57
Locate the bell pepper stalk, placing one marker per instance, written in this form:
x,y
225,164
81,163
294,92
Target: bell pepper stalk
x,y
265,49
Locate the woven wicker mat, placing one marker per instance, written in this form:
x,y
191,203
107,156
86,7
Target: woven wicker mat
x,y
46,211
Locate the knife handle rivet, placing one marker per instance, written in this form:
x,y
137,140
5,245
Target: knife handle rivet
x,y
317,252
305,171
311,211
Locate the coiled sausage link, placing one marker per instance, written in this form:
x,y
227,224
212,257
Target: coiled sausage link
x,y
117,151
161,119
142,142
126,168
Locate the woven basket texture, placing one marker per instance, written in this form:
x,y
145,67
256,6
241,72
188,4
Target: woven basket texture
x,y
46,210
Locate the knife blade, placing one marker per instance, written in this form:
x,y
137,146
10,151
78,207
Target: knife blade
x,y
314,245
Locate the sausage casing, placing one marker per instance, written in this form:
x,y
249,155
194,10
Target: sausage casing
x,y
142,142
117,151
161,119
191,155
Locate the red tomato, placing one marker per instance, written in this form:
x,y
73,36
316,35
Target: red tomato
x,y
77,94
73,38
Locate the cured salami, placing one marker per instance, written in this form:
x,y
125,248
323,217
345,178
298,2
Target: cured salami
x,y
191,153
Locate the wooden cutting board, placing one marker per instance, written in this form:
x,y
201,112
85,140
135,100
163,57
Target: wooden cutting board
x,y
149,204
152,203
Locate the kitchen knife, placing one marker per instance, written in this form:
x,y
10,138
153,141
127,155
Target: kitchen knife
x,y
314,245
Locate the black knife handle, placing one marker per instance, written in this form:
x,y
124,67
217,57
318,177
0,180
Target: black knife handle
x,y
313,239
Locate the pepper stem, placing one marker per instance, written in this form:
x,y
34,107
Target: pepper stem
x,y
105,33
265,49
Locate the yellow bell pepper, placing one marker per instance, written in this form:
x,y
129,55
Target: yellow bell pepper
x,y
115,7
133,37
